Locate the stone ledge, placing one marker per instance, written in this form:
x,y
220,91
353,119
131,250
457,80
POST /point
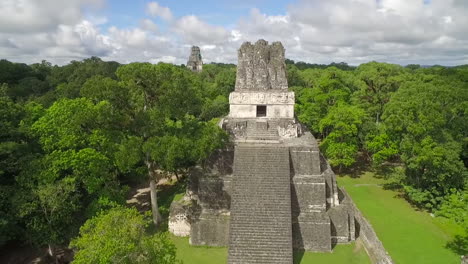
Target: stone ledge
x,y
261,98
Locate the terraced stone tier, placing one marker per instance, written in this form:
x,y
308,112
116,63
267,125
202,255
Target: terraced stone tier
x,y
260,227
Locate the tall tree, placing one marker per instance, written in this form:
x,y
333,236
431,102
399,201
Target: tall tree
x,y
163,98
119,236
340,127
379,82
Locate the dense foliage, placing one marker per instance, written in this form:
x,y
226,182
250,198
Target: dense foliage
x,y
120,236
72,137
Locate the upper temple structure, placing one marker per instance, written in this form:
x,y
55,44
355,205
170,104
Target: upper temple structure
x,y
261,67
261,85
195,62
270,190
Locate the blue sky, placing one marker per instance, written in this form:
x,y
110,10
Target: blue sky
x,y
316,31
125,13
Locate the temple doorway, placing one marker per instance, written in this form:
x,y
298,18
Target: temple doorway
x,y
261,110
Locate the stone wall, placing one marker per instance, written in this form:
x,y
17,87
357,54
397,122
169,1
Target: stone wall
x,y
211,228
367,235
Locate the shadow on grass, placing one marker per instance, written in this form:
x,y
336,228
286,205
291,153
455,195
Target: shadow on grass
x,y
394,186
357,169
459,245
298,255
384,171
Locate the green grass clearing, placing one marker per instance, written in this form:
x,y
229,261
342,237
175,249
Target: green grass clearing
x,y
409,235
352,253
198,254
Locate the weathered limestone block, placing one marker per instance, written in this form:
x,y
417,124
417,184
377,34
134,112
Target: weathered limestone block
x,y
260,64
180,215
288,131
211,228
342,224
277,67
220,162
312,233
212,194
261,67
308,194
305,160
245,72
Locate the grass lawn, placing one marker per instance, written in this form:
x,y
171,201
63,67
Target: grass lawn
x,y
349,254
410,236
198,254
352,254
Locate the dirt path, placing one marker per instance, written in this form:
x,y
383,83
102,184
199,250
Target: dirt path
x,y
140,195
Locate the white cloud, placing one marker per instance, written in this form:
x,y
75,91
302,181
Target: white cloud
x,y
193,30
154,9
315,31
32,15
167,59
148,25
397,31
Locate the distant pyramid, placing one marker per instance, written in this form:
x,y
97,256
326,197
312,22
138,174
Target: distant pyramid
x,y
195,62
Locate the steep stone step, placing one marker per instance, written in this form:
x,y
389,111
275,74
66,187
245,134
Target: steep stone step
x,y
262,130
260,228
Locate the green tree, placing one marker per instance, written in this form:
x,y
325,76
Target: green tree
x,y
340,128
48,212
327,88
379,82
69,79
119,236
71,173
163,97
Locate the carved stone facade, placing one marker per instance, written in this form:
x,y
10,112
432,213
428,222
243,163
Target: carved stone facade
x,y
195,62
277,104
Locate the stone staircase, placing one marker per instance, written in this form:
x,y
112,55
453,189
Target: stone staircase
x,y
262,130
260,227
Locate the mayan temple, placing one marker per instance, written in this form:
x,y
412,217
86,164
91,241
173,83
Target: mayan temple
x,y
195,62
270,191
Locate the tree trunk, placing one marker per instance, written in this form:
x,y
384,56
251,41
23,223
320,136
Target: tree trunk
x,y
50,251
154,203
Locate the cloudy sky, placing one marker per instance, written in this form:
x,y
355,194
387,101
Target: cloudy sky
x,y
316,31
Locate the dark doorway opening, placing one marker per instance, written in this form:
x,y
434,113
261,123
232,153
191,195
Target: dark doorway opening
x,y
261,110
